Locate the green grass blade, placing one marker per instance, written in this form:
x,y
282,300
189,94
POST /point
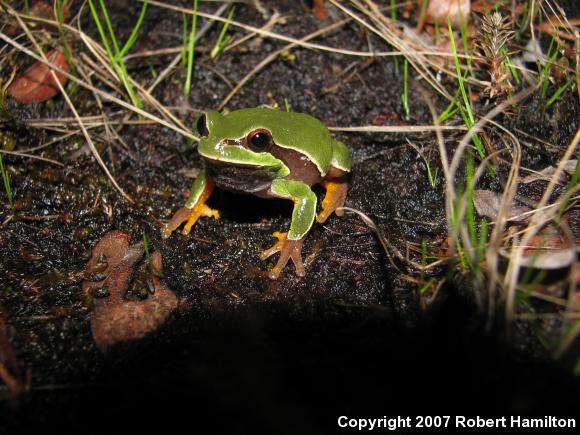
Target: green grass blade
x,y
468,118
559,92
460,77
405,96
184,38
6,181
222,40
66,49
109,26
191,49
133,37
101,30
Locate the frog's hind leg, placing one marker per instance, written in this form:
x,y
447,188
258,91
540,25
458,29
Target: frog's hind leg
x,y
336,187
335,181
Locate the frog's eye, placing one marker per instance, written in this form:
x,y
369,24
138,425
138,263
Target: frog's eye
x,y
202,125
259,140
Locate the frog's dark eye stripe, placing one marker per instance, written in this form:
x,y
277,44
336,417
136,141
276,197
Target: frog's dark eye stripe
x,y
259,140
202,125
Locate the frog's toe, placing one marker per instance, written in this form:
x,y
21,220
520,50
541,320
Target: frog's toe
x,y
180,216
277,247
333,200
289,250
190,217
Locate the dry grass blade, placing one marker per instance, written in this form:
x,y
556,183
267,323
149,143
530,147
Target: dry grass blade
x,y
70,104
400,128
31,156
539,219
101,93
268,34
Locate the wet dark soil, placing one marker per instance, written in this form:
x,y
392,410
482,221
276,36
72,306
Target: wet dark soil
x,y
242,352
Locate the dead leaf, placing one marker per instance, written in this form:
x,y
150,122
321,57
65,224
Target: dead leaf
x,y
45,10
111,250
457,11
37,84
488,203
115,319
550,237
546,174
553,26
549,259
550,249
40,9
320,9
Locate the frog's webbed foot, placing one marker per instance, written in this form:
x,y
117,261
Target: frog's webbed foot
x,y
336,189
289,250
195,207
190,217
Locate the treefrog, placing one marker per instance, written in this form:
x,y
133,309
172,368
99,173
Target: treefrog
x,y
271,154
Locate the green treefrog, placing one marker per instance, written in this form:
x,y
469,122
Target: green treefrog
x,y
271,154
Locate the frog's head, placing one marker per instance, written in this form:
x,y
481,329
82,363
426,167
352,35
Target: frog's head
x,y
237,151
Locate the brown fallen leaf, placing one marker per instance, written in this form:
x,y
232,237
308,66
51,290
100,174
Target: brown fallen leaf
x,y
456,11
110,250
547,173
40,9
548,250
320,9
488,203
554,26
116,320
37,84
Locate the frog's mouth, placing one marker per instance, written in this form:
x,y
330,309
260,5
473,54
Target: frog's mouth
x,y
240,177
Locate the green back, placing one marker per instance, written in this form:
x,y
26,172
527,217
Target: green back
x,y
292,130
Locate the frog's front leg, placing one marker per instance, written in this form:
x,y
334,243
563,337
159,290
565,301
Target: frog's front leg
x,y
290,244
195,207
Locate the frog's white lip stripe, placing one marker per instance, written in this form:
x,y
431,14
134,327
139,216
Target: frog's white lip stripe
x,y
280,168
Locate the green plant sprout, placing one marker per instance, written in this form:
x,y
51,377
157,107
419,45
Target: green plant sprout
x,y
433,176
116,57
465,109
222,40
184,39
559,92
405,96
148,256
146,248
152,70
66,49
464,32
431,282
6,182
450,110
545,73
394,18
191,50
